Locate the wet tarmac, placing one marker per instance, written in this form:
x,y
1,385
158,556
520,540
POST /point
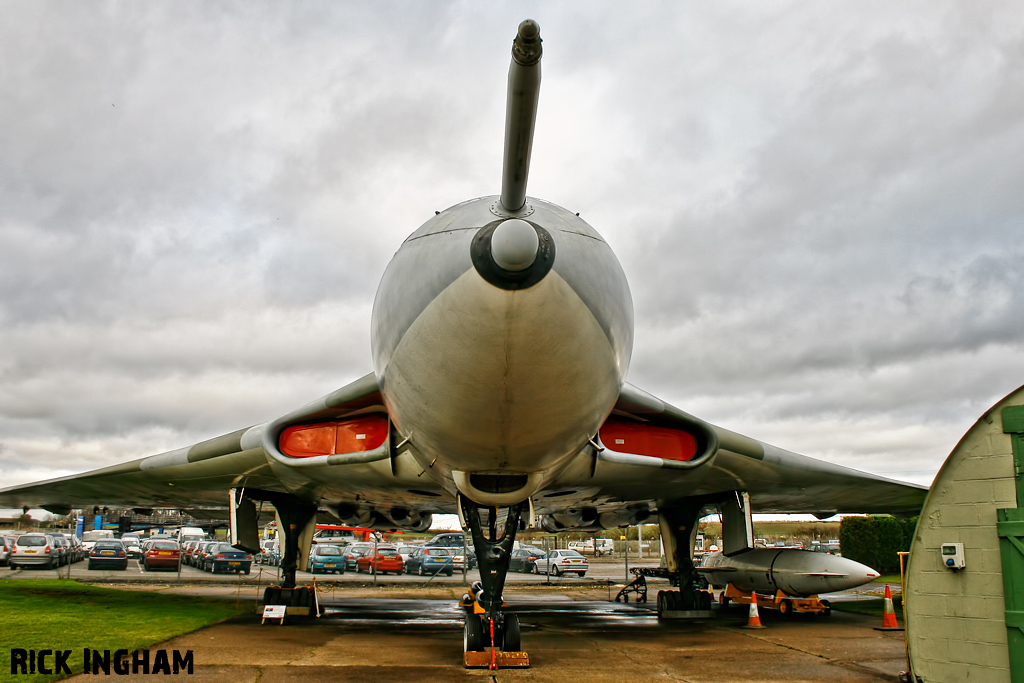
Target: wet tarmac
x,y
409,633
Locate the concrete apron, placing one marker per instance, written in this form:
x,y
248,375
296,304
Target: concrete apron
x,y
569,638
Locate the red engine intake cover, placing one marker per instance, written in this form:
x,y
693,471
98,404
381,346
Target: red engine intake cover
x,y
363,433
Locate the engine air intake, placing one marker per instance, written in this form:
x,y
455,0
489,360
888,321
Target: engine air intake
x,y
355,435
640,438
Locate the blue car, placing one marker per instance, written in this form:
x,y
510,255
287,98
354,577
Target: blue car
x,y
326,559
431,561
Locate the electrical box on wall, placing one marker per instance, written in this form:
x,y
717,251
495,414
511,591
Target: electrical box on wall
x,y
953,555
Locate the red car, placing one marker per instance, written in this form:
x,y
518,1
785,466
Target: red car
x,y
386,560
165,554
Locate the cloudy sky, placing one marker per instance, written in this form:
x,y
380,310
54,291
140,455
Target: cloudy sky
x,y
818,207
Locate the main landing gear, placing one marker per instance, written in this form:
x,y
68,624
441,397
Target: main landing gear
x,y
491,636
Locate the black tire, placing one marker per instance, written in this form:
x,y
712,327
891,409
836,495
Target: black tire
x,y
90,566
421,572
473,634
511,640
246,571
450,572
625,597
556,570
785,608
662,603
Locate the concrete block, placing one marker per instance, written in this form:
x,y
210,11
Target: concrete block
x,y
935,583
975,607
973,492
987,584
930,605
1004,493
941,670
979,654
930,649
991,631
960,516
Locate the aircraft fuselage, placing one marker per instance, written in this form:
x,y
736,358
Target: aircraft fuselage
x,y
495,376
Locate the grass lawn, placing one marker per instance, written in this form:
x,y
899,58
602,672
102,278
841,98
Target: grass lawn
x,y
66,615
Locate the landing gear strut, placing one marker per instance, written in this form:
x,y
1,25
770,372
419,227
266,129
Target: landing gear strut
x,y
491,637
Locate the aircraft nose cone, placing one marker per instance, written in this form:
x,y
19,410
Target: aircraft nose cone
x,y
514,245
513,254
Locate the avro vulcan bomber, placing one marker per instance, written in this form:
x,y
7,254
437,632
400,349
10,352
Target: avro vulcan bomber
x,y
501,335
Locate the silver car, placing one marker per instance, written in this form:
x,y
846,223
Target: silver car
x,y
6,548
35,549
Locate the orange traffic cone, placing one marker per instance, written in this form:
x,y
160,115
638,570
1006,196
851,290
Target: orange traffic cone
x,y
889,614
754,620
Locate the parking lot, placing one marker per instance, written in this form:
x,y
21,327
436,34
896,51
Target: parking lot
x,y
602,570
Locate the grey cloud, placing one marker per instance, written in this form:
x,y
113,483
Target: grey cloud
x,y
817,207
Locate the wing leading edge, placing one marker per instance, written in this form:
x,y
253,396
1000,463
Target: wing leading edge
x,y
778,481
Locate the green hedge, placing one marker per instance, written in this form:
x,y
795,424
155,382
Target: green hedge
x,y
876,540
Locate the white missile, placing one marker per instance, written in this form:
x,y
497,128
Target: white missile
x,y
794,572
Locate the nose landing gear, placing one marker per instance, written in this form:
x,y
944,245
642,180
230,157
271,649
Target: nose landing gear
x,y
491,636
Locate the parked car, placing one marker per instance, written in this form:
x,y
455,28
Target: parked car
x,y
270,555
431,561
563,562
6,548
202,554
454,539
352,551
186,551
79,550
406,551
70,546
327,559
131,544
62,547
166,554
109,553
227,558
333,537
90,537
525,559
34,549
385,559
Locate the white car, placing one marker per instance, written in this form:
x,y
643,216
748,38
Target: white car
x,y
563,562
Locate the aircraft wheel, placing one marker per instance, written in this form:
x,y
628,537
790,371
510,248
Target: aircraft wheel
x,y
828,608
662,603
510,634
473,634
785,608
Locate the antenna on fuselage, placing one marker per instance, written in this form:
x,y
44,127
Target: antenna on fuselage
x,y
520,114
